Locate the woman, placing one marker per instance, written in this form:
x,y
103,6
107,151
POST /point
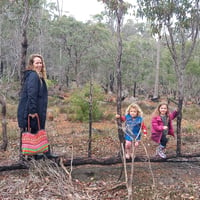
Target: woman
x,y
33,97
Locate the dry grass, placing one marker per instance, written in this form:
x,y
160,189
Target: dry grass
x,y
45,180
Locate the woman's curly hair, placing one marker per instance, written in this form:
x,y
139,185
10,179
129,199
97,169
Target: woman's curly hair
x,y
30,65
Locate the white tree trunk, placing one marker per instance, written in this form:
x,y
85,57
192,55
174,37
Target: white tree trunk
x,y
156,84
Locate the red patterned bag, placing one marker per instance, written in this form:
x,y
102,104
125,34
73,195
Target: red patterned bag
x,y
33,144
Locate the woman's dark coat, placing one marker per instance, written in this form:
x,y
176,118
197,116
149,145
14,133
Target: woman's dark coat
x,y
33,99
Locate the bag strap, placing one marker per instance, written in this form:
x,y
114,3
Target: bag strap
x,y
38,122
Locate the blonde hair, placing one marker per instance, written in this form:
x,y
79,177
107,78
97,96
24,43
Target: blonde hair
x,y
30,65
157,110
136,107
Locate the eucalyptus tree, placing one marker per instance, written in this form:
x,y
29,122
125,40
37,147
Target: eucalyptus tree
x,y
6,42
101,56
167,77
4,124
156,28
24,43
76,40
118,9
34,28
21,8
193,77
2,98
138,57
106,46
179,21
1,17
132,28
138,62
18,18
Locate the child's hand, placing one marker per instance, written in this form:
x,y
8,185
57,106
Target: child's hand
x,y
117,116
144,137
136,143
165,127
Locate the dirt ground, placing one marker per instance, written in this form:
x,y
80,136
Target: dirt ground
x,y
164,180
171,180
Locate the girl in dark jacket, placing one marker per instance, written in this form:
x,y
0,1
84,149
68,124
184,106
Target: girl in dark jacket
x,y
161,126
34,96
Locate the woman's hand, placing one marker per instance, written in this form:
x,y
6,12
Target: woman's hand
x,y
33,115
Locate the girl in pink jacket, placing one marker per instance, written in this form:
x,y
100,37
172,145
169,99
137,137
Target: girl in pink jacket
x,y
161,126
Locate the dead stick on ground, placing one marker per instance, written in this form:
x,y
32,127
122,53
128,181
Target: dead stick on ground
x,y
114,187
65,169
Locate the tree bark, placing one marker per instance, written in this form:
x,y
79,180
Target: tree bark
x,y
156,84
118,69
24,43
90,118
134,89
4,124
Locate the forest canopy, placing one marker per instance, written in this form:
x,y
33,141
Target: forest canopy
x,y
75,51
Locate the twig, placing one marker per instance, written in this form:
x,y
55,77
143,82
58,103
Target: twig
x,y
65,169
149,162
114,187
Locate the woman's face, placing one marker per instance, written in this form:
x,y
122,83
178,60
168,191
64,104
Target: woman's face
x,y
163,109
133,112
37,64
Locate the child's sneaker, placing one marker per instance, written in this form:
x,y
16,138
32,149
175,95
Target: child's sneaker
x,y
164,150
160,152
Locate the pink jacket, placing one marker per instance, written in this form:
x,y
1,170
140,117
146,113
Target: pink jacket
x,y
157,127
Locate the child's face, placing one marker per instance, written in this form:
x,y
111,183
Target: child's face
x,y
163,109
133,112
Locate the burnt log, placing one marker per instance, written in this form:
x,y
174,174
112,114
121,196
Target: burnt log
x,y
103,161
14,166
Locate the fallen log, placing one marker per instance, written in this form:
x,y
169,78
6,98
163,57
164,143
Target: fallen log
x,y
117,160
14,166
103,161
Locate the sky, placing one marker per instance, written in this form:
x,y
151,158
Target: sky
x,y
83,10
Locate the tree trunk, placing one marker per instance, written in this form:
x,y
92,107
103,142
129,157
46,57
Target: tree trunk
x,y
1,61
111,83
4,125
118,69
1,67
180,104
24,43
134,89
90,120
156,84
24,46
179,119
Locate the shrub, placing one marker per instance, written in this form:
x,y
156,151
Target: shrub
x,y
80,102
